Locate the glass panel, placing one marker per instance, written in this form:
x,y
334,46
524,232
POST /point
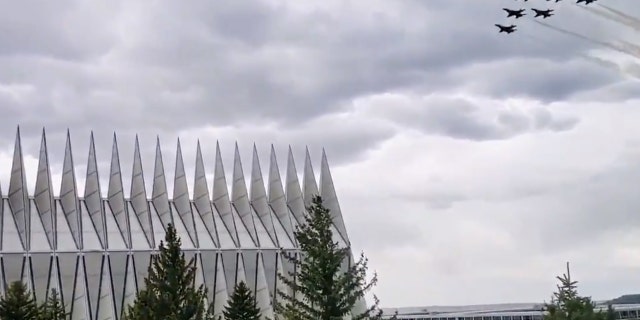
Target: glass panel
x,y
105,307
138,239
39,241
263,298
283,238
63,233
89,234
93,268
10,237
158,228
229,260
181,230
142,260
226,241
40,268
204,238
79,309
67,265
263,235
114,236
250,258
12,265
208,263
130,284
270,257
118,262
243,234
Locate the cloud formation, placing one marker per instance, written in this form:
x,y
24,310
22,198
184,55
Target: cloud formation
x,y
485,161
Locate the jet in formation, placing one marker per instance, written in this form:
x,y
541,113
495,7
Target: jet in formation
x,y
514,13
586,1
507,29
543,13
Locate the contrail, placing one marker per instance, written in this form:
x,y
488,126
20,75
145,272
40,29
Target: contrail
x,y
628,46
631,19
610,65
583,37
612,17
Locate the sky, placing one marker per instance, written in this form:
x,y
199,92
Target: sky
x,y
470,165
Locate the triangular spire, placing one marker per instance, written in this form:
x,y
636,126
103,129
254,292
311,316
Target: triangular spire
x,y
329,198
240,198
44,194
309,184
159,196
18,196
69,195
116,195
276,197
221,197
259,197
139,196
201,197
92,195
293,190
181,197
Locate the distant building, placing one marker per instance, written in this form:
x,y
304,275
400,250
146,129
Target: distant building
x,y
94,247
626,307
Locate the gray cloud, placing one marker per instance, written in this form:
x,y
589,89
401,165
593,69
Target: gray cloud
x,y
460,118
469,141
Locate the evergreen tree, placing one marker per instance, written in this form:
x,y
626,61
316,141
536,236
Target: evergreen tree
x,y
170,291
53,309
242,304
567,304
322,289
18,303
611,313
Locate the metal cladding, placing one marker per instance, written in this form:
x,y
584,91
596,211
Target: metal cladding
x,y
95,250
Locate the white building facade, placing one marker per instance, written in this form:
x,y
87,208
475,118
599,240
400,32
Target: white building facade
x,y
95,249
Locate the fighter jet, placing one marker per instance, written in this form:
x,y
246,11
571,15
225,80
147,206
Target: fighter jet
x,y
507,29
586,1
514,13
543,13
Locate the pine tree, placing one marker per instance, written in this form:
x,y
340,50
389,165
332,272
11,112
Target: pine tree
x,y
18,303
53,309
567,304
322,289
242,304
170,292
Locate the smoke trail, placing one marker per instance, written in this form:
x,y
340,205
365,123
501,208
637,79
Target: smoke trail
x,y
612,17
583,37
631,19
628,46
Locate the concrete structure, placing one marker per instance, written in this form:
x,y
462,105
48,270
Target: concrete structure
x,y
507,311
95,250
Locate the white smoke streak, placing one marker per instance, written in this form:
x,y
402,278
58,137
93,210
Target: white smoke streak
x,y
628,18
612,17
594,41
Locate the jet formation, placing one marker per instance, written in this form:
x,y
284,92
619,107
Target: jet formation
x,y
538,13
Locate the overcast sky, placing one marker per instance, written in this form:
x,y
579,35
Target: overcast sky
x,y
470,165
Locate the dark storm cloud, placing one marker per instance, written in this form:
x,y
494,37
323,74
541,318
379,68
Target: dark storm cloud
x,y
162,67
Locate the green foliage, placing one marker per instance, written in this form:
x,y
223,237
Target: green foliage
x,y
53,309
242,304
322,289
19,303
566,304
170,291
